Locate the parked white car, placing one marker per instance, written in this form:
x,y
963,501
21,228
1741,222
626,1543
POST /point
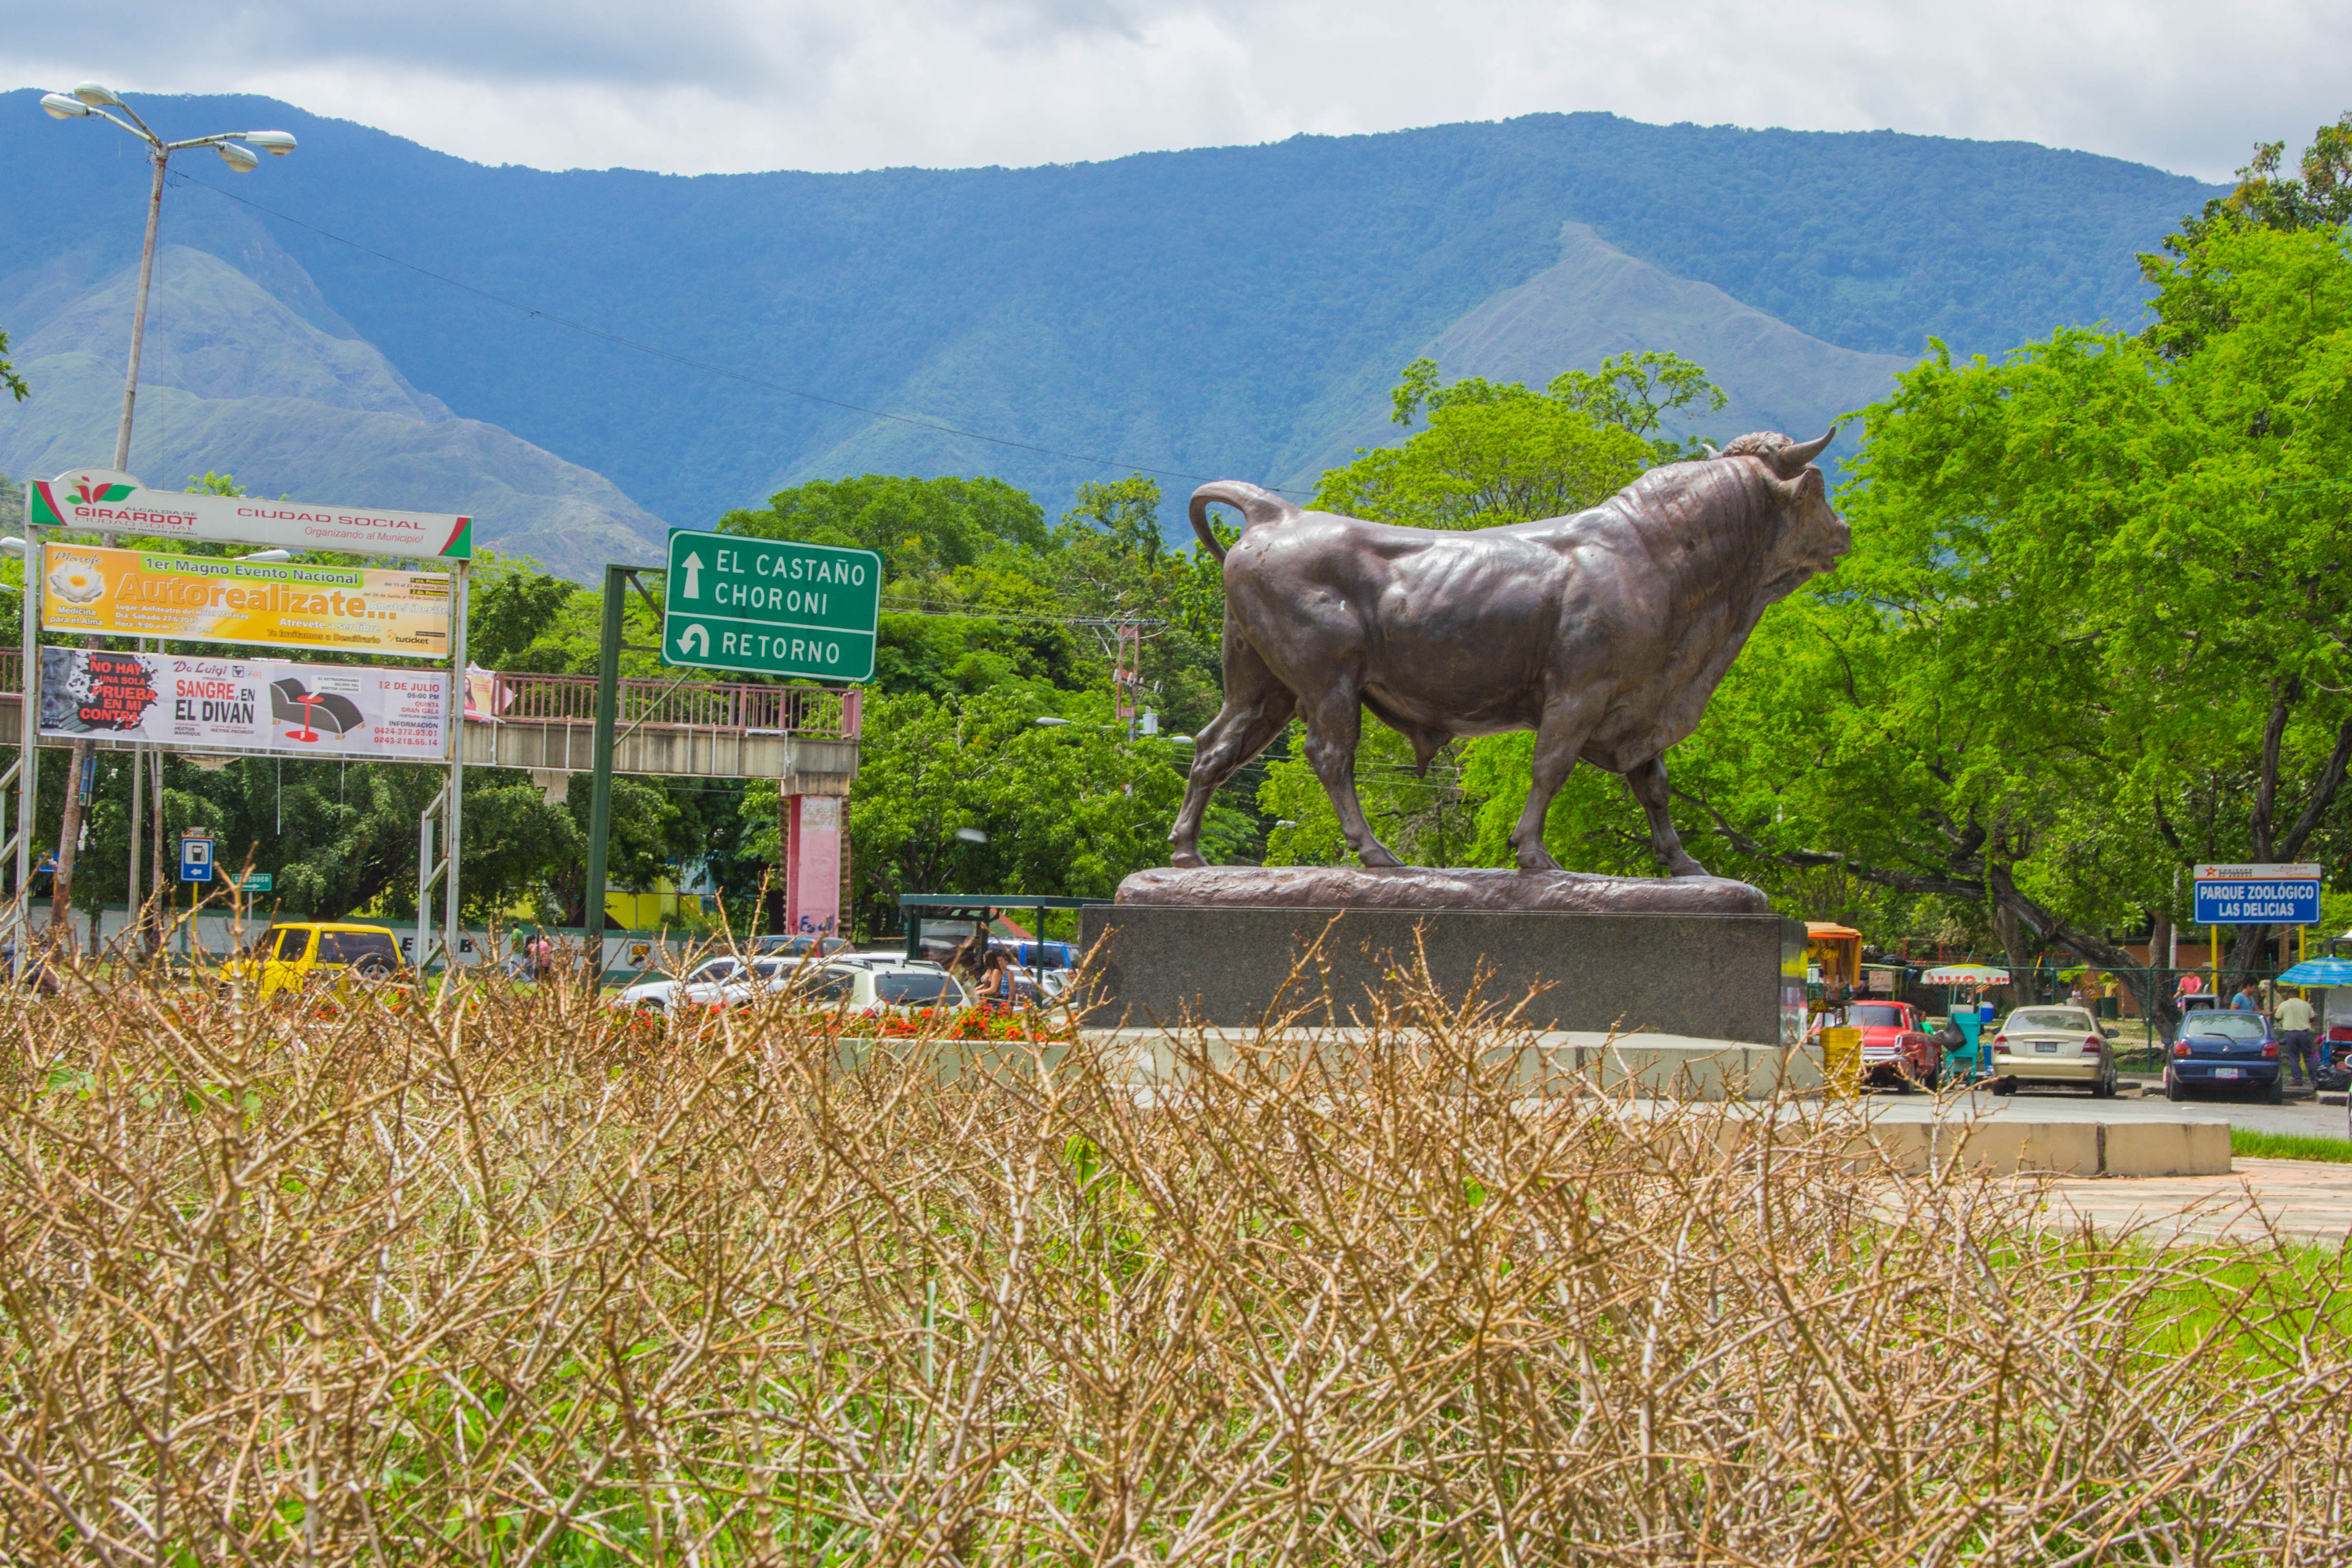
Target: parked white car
x,y
863,987
886,958
714,982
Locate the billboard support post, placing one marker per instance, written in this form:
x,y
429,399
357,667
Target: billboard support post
x,y
428,872
453,937
138,825
28,744
608,717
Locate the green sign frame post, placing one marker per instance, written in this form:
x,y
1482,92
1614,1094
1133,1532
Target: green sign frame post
x,y
771,607
600,804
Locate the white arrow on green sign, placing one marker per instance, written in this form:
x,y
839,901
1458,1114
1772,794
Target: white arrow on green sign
x,y
772,606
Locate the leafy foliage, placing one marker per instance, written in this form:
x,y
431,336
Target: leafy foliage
x,y
1493,454
1067,809
2093,626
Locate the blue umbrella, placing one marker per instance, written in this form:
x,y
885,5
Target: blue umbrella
x,y
2319,972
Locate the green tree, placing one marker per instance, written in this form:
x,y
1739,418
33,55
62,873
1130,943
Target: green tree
x,y
1493,454
1639,392
921,525
2093,623
9,378
1063,809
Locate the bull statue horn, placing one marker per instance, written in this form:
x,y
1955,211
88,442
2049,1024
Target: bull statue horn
x,y
1711,449
1789,461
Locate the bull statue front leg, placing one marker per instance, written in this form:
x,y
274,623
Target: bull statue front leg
x,y
1334,725
1648,782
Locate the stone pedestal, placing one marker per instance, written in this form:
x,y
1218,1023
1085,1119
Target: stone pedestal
x,y
1694,957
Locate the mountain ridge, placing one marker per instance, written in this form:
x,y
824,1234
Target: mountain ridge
x,y
232,379
1212,311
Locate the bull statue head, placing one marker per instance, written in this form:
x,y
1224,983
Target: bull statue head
x,y
1814,536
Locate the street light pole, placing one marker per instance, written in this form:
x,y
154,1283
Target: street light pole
x,y
234,149
161,159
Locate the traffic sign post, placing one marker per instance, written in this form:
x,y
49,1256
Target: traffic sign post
x,y
772,607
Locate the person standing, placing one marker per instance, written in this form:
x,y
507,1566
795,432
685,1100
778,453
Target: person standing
x,y
2245,1001
996,984
2295,1043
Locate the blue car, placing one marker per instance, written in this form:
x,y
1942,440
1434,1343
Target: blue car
x,y
2224,1049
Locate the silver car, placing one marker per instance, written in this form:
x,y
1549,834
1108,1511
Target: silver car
x,y
2055,1045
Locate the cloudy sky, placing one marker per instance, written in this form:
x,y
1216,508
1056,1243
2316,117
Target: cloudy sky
x,y
693,86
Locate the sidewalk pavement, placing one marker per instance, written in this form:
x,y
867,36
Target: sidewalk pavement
x,y
2307,1201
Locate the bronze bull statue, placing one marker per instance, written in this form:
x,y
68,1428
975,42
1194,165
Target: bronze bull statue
x,y
1605,632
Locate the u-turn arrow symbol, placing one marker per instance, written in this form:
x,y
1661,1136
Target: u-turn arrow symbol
x,y
694,640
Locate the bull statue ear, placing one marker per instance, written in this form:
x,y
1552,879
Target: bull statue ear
x,y
1791,461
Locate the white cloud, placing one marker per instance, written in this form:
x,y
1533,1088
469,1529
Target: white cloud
x,y
695,86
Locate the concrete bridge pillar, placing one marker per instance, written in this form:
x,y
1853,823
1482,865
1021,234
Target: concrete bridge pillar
x,y
815,846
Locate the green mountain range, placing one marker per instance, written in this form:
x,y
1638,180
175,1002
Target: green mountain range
x,y
371,321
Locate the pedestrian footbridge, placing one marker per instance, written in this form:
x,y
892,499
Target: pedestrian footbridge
x,y
806,737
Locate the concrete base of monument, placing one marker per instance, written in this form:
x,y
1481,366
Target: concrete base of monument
x,y
1720,978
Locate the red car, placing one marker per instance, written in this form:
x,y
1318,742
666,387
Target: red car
x,y
1895,1047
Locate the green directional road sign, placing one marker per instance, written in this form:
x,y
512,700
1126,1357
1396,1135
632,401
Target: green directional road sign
x,y
772,606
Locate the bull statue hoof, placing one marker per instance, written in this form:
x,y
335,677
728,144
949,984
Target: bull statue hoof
x,y
1604,632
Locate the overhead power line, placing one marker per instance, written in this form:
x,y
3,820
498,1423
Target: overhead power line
x,y
537,314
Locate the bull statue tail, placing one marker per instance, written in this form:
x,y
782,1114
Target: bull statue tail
x,y
1258,508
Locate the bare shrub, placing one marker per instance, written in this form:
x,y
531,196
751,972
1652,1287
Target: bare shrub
x,y
515,1280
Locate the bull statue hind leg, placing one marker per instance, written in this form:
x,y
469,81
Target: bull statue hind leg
x,y
1335,724
1256,707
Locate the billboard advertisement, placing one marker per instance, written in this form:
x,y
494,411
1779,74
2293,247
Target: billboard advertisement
x,y
202,599
103,500
263,706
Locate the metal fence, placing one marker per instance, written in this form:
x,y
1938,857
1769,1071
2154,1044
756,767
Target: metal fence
x,y
672,704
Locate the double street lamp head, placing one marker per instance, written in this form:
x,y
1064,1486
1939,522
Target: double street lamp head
x,y
236,148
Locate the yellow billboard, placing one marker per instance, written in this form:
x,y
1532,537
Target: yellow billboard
x,y
205,599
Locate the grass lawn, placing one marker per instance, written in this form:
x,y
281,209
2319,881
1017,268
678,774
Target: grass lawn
x,y
2256,1146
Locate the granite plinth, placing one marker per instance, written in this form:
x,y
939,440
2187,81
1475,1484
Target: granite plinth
x,y
1730,977
1428,887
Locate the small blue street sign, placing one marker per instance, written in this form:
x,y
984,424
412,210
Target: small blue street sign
x,y
2258,894
47,863
195,858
